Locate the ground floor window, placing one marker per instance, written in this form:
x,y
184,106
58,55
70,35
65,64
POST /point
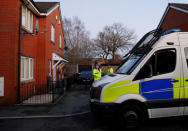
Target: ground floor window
x,y
26,68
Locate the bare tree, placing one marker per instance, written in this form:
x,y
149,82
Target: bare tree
x,y
77,40
114,38
103,45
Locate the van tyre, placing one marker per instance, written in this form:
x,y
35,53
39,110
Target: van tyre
x,y
96,115
131,117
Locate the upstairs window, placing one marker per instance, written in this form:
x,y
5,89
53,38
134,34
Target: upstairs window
x,y
52,33
60,41
27,19
26,68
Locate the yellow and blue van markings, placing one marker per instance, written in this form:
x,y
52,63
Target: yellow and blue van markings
x,y
152,90
112,92
157,89
176,89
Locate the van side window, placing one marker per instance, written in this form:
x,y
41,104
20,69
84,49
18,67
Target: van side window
x,y
186,54
147,70
161,62
166,61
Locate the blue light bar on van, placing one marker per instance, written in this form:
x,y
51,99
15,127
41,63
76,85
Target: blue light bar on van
x,y
171,31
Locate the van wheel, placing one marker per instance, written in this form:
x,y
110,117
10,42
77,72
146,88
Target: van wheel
x,y
131,117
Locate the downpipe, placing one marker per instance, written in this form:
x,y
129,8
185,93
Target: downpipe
x,y
19,50
19,53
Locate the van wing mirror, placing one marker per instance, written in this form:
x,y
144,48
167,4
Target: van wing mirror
x,y
147,71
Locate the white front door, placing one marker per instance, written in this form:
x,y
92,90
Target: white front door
x,y
54,74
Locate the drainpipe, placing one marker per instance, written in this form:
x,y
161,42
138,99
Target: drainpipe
x,y
19,53
19,49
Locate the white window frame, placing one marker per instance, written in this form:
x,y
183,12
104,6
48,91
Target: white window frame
x,y
52,33
50,67
30,75
60,41
28,19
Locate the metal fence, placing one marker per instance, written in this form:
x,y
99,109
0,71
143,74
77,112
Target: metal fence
x,y
42,93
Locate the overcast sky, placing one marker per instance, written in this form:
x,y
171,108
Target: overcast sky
x,y
139,15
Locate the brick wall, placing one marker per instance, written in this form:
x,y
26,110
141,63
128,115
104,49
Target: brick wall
x,y
50,47
105,68
37,46
41,48
9,21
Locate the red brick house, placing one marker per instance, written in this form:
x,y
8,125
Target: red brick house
x,y
175,17
31,46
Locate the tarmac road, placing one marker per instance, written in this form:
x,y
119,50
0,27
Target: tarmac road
x,y
86,123
76,101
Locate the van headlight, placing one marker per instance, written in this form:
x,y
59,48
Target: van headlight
x,y
95,92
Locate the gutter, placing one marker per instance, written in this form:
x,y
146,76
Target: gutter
x,y
164,15
35,9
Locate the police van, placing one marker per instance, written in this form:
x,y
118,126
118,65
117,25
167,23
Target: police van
x,y
151,82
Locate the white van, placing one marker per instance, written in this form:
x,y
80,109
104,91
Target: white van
x,y
152,81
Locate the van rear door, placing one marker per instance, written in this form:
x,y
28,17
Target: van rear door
x,y
184,90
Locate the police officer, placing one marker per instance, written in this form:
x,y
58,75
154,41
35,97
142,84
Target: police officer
x,y
110,71
97,72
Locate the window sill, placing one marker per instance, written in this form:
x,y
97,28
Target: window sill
x,y
27,81
27,30
53,42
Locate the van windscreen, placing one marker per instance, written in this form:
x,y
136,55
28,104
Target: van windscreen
x,y
129,64
139,51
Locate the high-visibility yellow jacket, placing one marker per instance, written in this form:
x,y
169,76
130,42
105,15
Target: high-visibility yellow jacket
x,y
97,74
110,71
